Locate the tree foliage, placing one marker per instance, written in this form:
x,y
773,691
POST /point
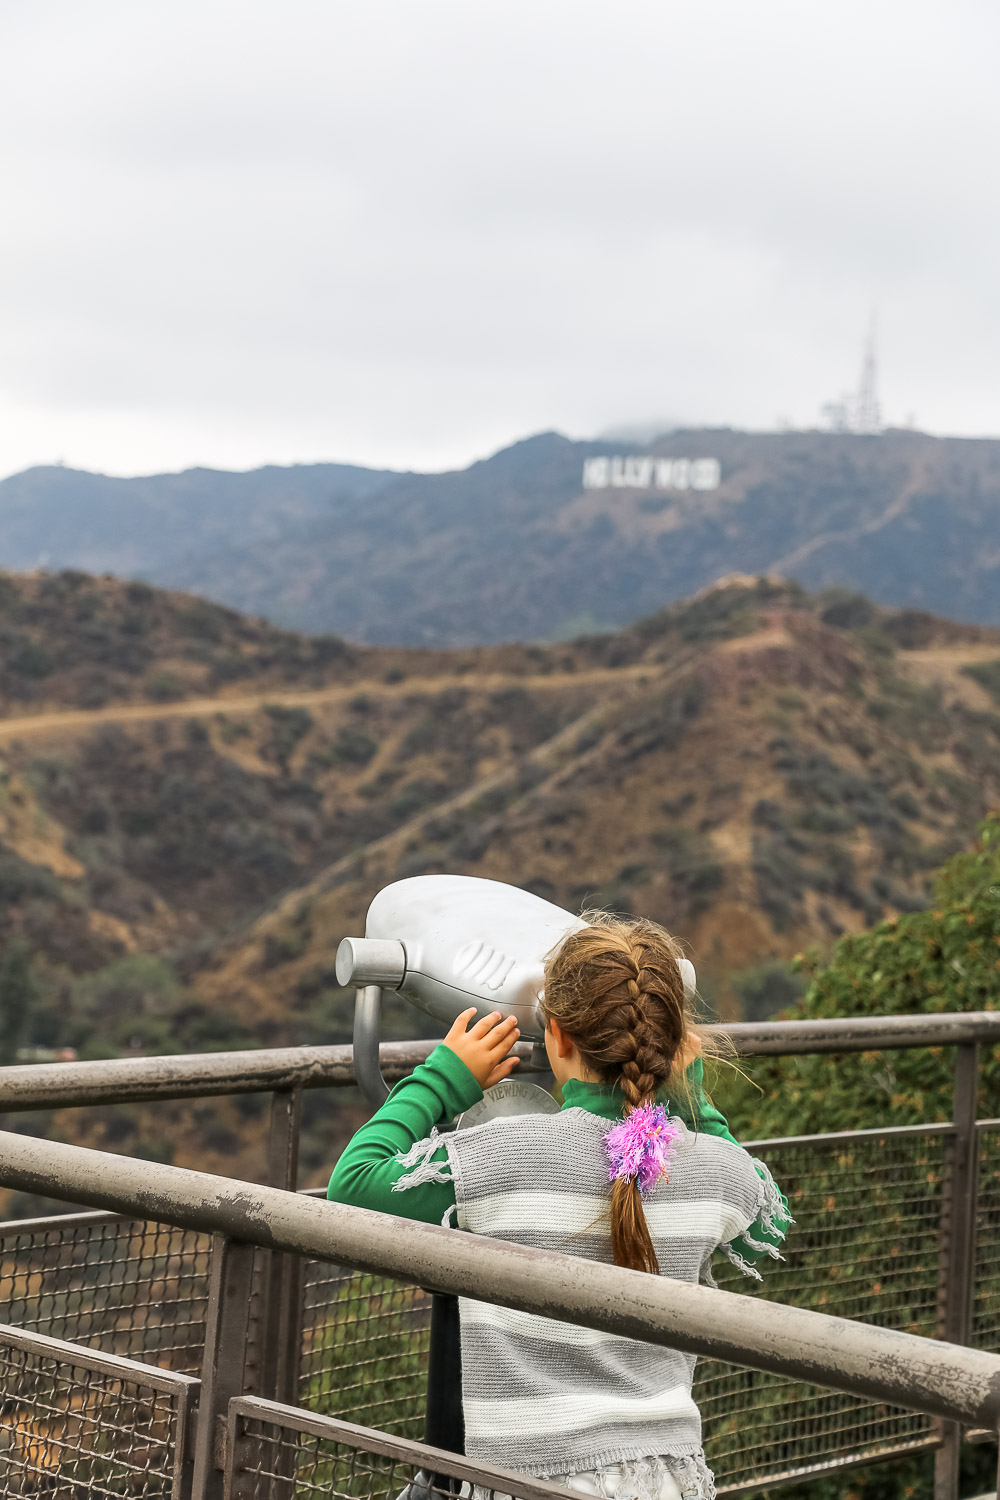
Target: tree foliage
x,y
943,959
18,993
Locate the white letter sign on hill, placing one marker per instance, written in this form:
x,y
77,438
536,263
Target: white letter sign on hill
x,y
641,473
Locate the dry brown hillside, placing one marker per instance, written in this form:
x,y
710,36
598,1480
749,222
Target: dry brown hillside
x,y
762,773
756,768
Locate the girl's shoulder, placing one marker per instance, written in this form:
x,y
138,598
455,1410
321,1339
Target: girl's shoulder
x,y
533,1147
717,1167
717,1149
568,1148
530,1133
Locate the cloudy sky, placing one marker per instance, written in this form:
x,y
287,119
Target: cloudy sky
x,y
406,232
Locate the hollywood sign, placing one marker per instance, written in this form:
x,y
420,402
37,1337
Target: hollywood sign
x,y
651,473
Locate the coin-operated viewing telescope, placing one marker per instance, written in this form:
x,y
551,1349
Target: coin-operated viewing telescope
x,y
448,942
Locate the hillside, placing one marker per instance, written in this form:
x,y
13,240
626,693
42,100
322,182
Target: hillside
x,y
771,772
54,517
515,548
758,768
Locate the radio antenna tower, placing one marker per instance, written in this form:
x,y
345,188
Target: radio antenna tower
x,y
867,412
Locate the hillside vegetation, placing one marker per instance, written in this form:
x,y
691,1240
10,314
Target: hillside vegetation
x,y
759,769
513,547
946,958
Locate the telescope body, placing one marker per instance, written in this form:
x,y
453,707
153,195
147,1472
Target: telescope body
x,y
448,942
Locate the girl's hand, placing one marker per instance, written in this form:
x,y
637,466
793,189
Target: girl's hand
x,y
484,1049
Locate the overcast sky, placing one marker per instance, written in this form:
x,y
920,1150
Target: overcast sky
x,y
407,232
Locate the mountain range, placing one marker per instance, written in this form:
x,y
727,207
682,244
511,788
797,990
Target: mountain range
x,y
515,547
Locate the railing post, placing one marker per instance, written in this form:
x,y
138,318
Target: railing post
x,y
958,1249
222,1370
282,1284
445,1424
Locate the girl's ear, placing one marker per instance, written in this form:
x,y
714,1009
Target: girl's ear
x,y
564,1044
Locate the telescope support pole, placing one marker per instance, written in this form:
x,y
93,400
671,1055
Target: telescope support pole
x,y
367,1071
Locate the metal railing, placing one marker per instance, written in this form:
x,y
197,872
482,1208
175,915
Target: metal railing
x,y
127,1286
275,1450
886,1231
939,1380
202,1075
84,1423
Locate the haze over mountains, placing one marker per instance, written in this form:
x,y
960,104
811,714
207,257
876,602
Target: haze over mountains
x,y
514,547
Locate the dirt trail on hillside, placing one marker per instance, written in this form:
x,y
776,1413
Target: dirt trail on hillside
x,y
942,666
557,753
545,756
896,507
76,721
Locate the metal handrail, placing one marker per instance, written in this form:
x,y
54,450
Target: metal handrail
x,y
195,1075
861,1033
945,1380
205,1074
87,1358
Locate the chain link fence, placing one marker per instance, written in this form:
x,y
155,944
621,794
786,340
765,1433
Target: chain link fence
x,y
867,1244
275,1454
986,1296
365,1341
77,1424
873,1215
127,1286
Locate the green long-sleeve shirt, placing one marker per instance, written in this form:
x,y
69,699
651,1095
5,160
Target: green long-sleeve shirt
x,y
441,1088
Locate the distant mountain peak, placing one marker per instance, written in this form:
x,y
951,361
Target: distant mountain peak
x,y
516,546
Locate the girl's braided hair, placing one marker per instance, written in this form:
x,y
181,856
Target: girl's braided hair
x,y
616,988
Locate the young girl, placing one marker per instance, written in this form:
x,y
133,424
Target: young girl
x,y
603,1414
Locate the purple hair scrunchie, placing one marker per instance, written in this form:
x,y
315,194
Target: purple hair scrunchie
x,y
641,1146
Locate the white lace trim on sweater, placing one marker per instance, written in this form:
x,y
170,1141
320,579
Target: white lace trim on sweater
x,y
655,1478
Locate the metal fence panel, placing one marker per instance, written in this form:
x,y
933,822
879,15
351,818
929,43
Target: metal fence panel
x,y
78,1423
866,1245
365,1341
276,1452
986,1285
131,1287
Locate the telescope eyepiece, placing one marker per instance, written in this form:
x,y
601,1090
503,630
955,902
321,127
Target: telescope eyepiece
x,y
363,961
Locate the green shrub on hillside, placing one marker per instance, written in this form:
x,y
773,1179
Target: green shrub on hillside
x,y
845,609
352,747
164,687
206,621
138,1004
21,881
696,874
721,614
288,726
987,674
18,997
944,959
766,988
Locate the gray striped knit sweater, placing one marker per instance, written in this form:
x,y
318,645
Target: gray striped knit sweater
x,y
550,1398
